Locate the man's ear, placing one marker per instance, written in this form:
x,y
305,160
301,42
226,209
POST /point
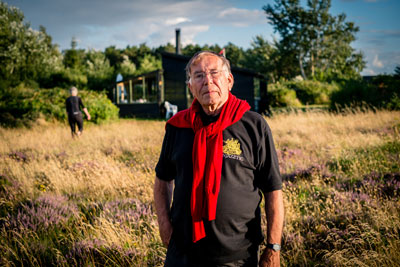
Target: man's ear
x,y
231,80
190,89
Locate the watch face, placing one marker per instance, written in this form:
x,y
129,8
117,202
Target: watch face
x,y
274,247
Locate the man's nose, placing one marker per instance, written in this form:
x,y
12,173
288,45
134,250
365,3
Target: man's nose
x,y
208,78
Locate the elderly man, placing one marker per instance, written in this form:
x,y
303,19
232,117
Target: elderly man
x,y
221,156
73,105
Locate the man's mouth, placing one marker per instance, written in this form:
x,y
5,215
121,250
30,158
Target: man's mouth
x,y
209,92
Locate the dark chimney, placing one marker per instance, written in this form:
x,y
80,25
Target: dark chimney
x,y
178,41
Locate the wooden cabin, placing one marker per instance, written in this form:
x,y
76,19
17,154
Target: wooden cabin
x,y
144,95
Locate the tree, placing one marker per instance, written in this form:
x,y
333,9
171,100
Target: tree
x,y
98,70
165,48
263,58
114,55
74,58
143,49
52,60
191,49
235,54
149,63
25,54
74,71
397,72
318,41
127,67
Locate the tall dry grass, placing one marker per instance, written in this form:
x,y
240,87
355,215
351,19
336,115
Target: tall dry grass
x,y
323,135
342,186
108,161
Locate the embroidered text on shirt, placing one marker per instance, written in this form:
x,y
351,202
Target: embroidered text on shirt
x,y
231,149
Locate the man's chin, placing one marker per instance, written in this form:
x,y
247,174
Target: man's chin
x,y
209,102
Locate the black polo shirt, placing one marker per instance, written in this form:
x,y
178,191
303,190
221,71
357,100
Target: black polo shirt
x,y
73,105
249,166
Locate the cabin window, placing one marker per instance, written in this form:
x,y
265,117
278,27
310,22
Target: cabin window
x,y
140,89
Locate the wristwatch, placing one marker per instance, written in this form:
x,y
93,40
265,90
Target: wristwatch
x,y
274,247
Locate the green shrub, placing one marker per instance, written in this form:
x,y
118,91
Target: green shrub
x,y
51,103
99,106
66,78
313,92
394,102
352,92
381,92
22,105
281,96
16,106
297,93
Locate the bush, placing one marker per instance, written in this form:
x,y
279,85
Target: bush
x,y
22,105
66,78
313,92
281,96
99,106
16,107
381,92
296,93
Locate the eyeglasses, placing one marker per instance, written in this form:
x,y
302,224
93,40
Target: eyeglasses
x,y
199,76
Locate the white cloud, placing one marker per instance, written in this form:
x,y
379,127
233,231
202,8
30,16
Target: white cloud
x,y
241,17
192,17
188,33
376,62
368,72
175,21
380,61
102,23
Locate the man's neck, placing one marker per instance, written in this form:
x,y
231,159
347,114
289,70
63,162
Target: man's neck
x,y
207,119
212,110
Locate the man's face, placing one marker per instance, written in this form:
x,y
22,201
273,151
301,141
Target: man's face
x,y
212,91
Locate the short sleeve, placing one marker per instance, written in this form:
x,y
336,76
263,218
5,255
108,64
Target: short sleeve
x,y
268,176
164,168
81,103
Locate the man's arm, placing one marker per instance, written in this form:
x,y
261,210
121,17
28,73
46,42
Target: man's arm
x,y
162,201
87,113
275,214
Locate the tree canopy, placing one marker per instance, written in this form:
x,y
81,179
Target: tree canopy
x,y
25,54
314,42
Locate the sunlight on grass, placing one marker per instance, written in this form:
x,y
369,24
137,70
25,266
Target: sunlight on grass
x,y
89,201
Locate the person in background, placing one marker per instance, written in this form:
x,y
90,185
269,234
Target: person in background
x,y
217,159
74,105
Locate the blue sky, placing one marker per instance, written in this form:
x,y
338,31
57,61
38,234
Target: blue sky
x,y
98,24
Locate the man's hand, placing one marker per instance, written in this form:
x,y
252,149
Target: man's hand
x,y
270,258
165,228
275,215
162,201
87,114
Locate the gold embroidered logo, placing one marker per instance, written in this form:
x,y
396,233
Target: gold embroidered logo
x,y
232,147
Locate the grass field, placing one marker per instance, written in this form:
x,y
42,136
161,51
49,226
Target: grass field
x,y
88,202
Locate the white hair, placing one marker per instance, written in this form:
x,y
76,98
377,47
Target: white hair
x,y
73,90
226,67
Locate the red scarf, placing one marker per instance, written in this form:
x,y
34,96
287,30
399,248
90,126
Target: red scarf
x,y
207,157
